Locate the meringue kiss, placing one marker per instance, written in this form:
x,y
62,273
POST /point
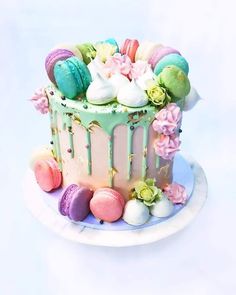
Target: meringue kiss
x,y
100,91
118,81
131,95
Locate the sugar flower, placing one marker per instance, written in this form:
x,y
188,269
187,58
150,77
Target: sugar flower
x,y
147,192
138,69
40,101
105,50
166,146
167,120
118,64
176,193
157,95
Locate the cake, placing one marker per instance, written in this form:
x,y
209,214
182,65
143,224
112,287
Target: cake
x,y
116,115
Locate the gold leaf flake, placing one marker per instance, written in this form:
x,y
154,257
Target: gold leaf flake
x,y
135,117
131,157
93,124
112,172
145,152
76,119
54,130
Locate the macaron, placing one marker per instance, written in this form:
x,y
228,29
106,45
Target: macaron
x,y
162,208
47,174
74,202
159,53
70,47
52,58
135,212
175,81
72,77
112,41
129,48
88,51
41,153
172,59
145,50
107,204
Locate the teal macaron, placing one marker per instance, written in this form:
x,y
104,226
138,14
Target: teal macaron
x,y
72,77
172,59
112,41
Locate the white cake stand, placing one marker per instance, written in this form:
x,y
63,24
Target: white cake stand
x,y
82,234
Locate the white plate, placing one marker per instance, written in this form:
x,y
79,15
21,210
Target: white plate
x,y
93,236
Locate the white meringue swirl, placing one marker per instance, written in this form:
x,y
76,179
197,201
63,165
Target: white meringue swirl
x,y
118,81
131,95
100,91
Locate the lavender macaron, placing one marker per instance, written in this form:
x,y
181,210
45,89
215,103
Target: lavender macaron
x,y
53,57
74,202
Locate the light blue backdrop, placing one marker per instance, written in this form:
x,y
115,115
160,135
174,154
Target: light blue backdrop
x,y
201,259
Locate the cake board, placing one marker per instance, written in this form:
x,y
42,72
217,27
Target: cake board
x,y
186,171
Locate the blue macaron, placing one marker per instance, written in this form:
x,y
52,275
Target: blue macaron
x,y
172,59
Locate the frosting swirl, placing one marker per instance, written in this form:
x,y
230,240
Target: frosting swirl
x,y
166,146
167,120
40,101
131,95
100,91
176,193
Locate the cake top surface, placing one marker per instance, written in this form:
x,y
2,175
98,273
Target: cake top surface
x,y
104,77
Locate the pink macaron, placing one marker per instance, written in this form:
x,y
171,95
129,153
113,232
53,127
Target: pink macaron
x,y
129,48
107,204
47,174
159,53
53,57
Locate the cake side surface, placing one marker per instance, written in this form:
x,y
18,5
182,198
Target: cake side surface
x,y
105,146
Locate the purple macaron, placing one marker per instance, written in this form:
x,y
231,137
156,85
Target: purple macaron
x,y
53,57
159,53
74,202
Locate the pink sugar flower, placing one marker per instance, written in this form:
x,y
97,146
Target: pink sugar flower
x,y
166,146
40,101
168,119
176,193
118,64
138,69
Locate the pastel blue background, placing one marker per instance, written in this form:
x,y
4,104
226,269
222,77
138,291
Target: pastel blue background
x,y
199,260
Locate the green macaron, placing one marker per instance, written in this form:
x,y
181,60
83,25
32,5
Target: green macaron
x,y
175,81
172,59
72,77
88,51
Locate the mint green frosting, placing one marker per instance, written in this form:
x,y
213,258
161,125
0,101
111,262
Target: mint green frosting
x,y
105,116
